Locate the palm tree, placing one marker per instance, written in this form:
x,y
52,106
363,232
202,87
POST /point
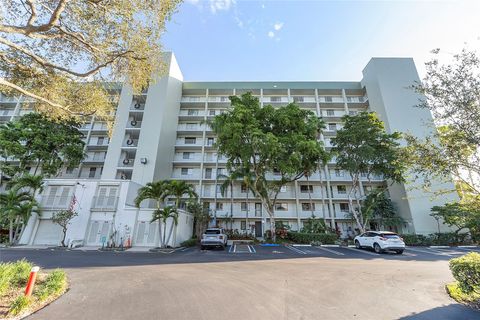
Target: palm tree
x,y
158,192
24,212
30,182
228,183
12,208
162,215
178,189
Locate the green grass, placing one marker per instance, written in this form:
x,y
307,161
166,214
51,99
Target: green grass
x,y
14,275
20,304
54,285
459,295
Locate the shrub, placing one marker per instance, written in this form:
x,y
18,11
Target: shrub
x,y
466,270
189,243
308,238
54,285
14,274
416,240
19,304
444,239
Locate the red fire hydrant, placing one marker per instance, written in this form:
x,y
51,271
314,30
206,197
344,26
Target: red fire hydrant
x,y
31,281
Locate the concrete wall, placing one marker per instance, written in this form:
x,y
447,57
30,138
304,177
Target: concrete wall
x,y
387,82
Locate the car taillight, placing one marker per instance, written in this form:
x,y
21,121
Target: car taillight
x,y
383,239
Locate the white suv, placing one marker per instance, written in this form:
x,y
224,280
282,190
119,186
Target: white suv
x,y
380,241
213,237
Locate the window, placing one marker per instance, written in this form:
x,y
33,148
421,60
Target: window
x,y
244,206
208,173
283,189
344,207
91,173
100,141
220,171
339,173
219,206
187,155
211,112
243,188
305,188
298,99
187,171
192,112
243,225
306,206
342,189
330,113
352,112
328,99
332,126
281,206
276,172
190,140
210,141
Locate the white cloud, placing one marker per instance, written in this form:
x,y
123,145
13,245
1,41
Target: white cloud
x,y
263,6
277,26
271,34
238,21
221,5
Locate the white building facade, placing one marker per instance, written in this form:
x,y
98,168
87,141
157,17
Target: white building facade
x,y
161,134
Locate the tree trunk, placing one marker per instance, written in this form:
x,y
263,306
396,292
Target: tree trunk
x,y
164,233
63,238
231,206
272,227
247,227
10,232
309,198
170,234
160,238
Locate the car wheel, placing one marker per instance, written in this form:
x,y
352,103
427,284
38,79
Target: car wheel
x,y
202,248
377,248
357,244
399,251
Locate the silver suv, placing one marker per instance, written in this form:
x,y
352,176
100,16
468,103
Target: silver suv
x,y
213,237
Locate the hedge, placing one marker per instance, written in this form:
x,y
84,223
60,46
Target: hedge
x,y
445,239
189,243
308,238
466,270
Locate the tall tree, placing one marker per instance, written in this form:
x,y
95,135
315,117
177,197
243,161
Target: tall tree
x,y
162,216
201,216
363,147
156,191
44,144
60,53
378,207
228,181
269,140
14,210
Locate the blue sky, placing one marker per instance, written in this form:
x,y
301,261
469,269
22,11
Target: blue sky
x,y
217,40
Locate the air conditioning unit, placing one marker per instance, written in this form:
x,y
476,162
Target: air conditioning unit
x,y
133,123
137,105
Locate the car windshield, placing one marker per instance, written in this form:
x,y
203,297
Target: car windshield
x,y
212,231
389,235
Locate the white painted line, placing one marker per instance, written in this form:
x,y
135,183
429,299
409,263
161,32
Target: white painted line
x,y
331,251
249,249
330,245
232,247
468,247
301,245
363,251
295,249
437,253
253,249
440,247
351,246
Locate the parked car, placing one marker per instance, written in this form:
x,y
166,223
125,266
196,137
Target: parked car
x,y
380,241
213,237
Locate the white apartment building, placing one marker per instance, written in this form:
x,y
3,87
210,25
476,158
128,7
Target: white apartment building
x,y
161,134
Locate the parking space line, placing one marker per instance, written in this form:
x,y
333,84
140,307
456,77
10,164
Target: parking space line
x,y
331,251
232,247
430,251
362,251
296,250
252,249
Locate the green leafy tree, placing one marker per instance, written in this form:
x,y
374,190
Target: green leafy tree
x,y
60,53
15,209
378,207
452,150
63,219
363,147
36,141
201,217
266,140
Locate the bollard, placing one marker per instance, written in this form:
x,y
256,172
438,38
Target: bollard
x,y
31,281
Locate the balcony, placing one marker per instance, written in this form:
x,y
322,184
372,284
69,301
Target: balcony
x,y
134,124
137,106
331,99
332,113
104,203
192,99
190,128
191,114
283,100
130,143
196,144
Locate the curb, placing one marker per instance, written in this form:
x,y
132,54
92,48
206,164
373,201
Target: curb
x,y
301,245
330,245
440,247
468,247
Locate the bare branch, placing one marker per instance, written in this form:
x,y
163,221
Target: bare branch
x,y
33,14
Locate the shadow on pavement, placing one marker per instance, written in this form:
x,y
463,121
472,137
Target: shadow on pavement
x,y
448,312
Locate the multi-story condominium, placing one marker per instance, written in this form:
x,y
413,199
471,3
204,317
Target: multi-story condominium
x,y
162,134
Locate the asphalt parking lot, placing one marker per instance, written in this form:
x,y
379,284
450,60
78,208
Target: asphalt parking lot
x,y
252,282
